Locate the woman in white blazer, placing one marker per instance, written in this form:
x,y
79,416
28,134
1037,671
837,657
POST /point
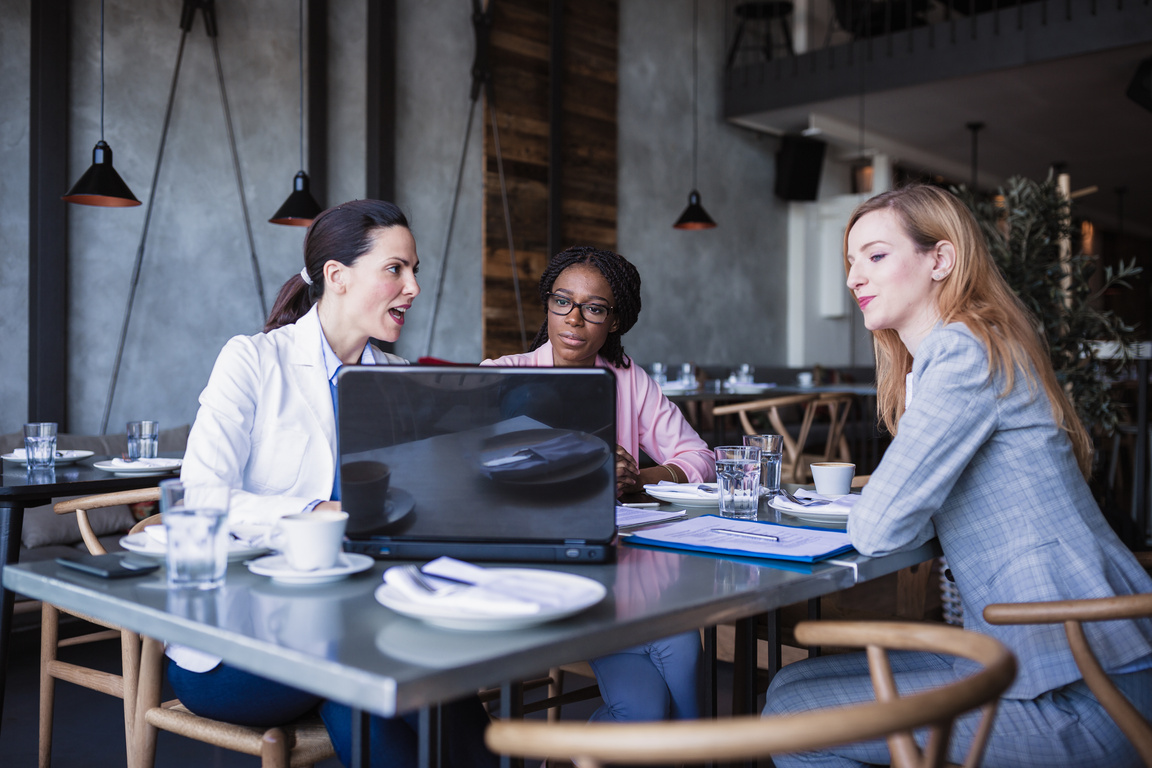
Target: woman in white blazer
x,y
266,428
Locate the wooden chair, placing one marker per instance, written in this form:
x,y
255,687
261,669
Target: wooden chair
x,y
796,463
301,743
748,737
1072,613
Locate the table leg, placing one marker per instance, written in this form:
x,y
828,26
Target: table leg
x,y
814,615
710,671
512,707
429,738
11,521
744,667
361,746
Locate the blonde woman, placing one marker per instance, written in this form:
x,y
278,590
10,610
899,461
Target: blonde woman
x,y
990,458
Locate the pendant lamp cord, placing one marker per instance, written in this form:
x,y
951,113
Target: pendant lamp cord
x,y
507,218
300,56
101,70
695,85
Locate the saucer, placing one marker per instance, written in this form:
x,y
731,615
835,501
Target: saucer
x,y
276,566
62,457
141,467
143,544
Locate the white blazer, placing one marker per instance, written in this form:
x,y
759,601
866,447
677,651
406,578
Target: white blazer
x,y
265,427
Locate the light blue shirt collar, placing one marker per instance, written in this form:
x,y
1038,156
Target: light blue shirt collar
x,y
332,363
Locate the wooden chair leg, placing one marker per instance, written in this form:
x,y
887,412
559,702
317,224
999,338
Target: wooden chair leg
x,y
274,749
130,672
555,688
143,753
49,636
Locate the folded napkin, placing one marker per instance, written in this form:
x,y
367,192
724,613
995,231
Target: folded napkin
x,y
465,598
554,454
841,505
138,463
684,490
241,536
19,454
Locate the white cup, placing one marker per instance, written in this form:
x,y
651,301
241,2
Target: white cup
x,y
804,378
833,478
311,541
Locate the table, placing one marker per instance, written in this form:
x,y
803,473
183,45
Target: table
x,y
337,642
20,489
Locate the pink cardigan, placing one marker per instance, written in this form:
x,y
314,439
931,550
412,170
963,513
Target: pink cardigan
x,y
644,417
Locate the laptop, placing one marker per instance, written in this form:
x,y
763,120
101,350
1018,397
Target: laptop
x,y
479,463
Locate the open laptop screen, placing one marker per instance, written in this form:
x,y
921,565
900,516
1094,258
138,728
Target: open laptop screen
x,y
486,463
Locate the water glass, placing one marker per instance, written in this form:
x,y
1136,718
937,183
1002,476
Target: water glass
x,y
688,374
738,478
746,374
196,517
40,444
660,373
771,454
143,440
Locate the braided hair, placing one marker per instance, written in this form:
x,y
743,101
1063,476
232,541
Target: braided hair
x,y
623,279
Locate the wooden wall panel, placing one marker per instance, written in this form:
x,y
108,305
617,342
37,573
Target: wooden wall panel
x,y
520,86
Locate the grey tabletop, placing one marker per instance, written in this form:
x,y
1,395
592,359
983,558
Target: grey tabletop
x,y
338,642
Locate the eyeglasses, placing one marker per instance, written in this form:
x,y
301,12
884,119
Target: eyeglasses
x,y
592,313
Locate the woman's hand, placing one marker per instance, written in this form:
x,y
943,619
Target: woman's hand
x,y
627,473
327,506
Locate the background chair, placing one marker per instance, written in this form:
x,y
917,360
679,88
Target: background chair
x,y
301,743
796,463
750,737
1072,613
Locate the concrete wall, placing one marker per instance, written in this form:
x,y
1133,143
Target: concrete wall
x,y
714,296
14,90
717,296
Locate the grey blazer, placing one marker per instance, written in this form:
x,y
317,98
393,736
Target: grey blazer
x,y
996,480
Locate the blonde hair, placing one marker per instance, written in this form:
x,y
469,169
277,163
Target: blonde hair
x,y
974,293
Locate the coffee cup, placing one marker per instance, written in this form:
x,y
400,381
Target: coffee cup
x,y
311,541
364,493
833,478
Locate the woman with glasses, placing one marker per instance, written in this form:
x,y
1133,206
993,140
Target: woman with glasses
x,y
592,298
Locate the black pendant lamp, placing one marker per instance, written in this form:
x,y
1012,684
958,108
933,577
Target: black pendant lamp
x,y
300,207
694,216
101,185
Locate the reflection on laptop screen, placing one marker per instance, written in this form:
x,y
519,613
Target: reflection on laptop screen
x,y
481,463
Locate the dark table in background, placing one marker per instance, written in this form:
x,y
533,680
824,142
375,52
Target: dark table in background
x,y
21,489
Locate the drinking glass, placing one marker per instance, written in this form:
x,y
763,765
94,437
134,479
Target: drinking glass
x,y
771,453
143,439
738,479
40,444
746,374
660,373
688,374
196,519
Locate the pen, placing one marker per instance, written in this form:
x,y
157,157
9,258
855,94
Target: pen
x,y
748,534
642,504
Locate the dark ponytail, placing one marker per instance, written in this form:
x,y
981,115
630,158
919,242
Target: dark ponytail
x,y
342,233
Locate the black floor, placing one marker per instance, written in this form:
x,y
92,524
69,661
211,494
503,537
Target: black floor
x,y
89,725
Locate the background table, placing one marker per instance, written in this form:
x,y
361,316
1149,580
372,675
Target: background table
x,y
20,489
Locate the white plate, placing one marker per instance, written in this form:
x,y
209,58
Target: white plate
x,y
585,593
811,514
747,389
160,467
672,389
277,567
143,544
670,497
62,457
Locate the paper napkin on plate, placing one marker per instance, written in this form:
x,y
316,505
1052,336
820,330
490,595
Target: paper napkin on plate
x,y
685,490
474,600
841,505
251,536
139,463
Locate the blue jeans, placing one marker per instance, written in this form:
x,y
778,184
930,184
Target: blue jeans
x,y
234,696
655,681
1064,727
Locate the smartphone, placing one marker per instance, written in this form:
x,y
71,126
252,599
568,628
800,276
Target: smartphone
x,y
115,565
